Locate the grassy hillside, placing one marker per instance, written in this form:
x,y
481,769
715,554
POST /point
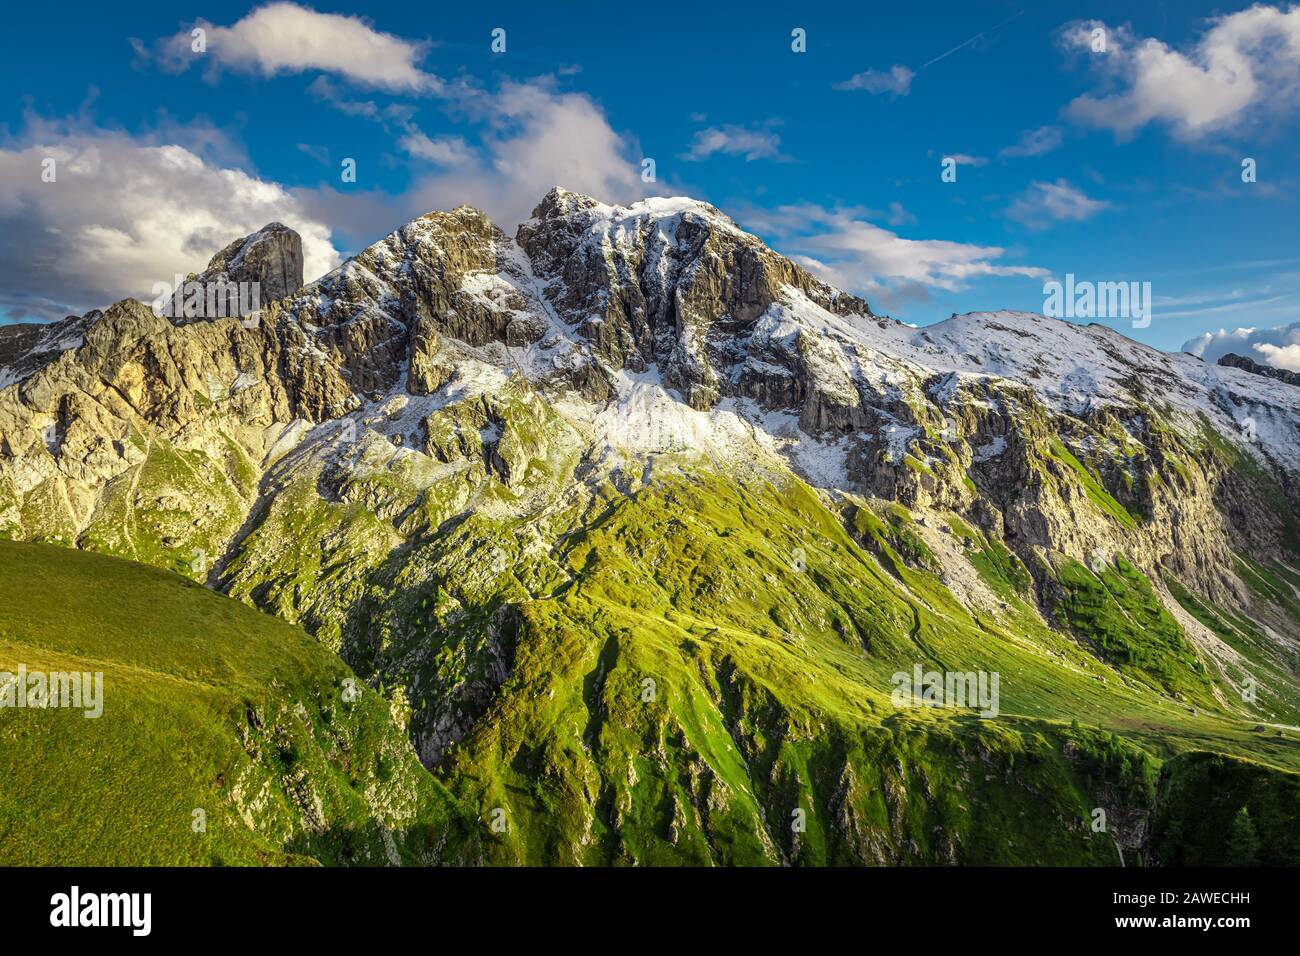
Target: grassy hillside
x,y
692,670
227,736
700,672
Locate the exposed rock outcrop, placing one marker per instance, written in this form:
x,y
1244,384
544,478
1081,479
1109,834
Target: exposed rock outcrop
x,y
1233,360
251,271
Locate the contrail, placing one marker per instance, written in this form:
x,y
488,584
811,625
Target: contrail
x,y
967,43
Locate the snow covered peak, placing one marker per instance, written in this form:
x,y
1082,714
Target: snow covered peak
x,y
592,213
670,287
561,202
1075,368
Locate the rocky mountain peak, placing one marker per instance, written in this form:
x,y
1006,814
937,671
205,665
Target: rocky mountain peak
x,y
561,202
249,272
272,256
508,477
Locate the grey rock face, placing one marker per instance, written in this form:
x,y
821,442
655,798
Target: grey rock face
x,y
677,287
26,347
246,275
1233,360
272,256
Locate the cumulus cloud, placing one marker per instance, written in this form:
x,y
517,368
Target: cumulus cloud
x,y
539,137
122,214
287,38
897,81
527,135
851,252
532,137
1034,142
1044,203
1279,347
1245,66
757,143
1281,356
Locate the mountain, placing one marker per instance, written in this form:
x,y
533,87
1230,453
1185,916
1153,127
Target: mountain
x,y
222,737
637,524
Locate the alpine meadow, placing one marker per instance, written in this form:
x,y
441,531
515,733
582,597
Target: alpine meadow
x,y
643,496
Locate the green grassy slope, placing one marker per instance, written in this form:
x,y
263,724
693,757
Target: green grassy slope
x,y
1115,607
700,673
208,706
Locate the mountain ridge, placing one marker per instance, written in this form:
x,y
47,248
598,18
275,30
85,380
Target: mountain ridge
x,y
634,441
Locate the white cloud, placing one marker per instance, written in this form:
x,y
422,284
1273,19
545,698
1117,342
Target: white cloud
x,y
288,38
1034,142
122,214
1281,356
318,153
532,137
445,150
1044,203
965,159
539,138
1279,347
398,121
528,138
1244,66
759,143
897,80
850,252
327,91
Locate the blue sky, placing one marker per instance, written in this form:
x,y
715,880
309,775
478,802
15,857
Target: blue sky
x,y
1115,166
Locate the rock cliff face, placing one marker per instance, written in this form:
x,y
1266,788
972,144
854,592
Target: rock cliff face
x,y
271,257
1250,365
263,267
510,478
